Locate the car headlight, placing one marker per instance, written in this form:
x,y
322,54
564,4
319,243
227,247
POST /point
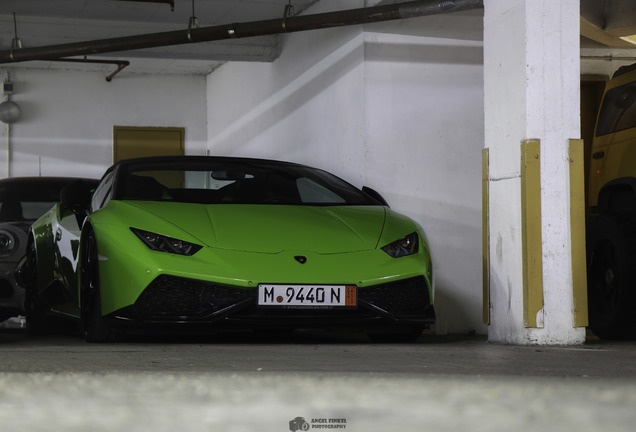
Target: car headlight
x,y
167,244
407,245
8,243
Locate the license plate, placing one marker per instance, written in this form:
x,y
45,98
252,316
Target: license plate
x,y
307,296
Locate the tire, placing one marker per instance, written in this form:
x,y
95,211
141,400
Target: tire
x,y
611,276
94,327
34,307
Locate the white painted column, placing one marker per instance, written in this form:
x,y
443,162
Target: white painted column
x,y
531,79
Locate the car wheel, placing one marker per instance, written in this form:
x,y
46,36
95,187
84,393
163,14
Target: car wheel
x,y
94,326
611,275
34,307
410,335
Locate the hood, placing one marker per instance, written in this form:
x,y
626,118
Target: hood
x,y
273,228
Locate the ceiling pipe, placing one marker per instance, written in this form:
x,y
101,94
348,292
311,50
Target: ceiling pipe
x,y
121,64
168,2
286,24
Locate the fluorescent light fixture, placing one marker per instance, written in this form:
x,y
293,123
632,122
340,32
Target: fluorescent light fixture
x,y
631,39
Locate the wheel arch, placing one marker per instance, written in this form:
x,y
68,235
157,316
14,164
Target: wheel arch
x,y
618,195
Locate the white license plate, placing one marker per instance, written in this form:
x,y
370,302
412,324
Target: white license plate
x,y
307,296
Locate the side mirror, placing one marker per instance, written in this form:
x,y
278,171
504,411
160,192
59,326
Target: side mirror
x,y
75,196
375,195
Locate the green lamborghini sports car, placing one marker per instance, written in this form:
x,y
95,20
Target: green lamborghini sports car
x,y
214,243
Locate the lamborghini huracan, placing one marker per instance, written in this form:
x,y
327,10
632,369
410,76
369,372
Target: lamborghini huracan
x,y
217,243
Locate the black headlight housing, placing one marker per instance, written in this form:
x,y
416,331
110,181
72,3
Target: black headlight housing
x,y
8,242
161,243
407,245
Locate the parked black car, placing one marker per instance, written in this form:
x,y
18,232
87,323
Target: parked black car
x,y
22,201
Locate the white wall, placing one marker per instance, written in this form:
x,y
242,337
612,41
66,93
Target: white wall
x,y
424,135
305,107
66,125
401,114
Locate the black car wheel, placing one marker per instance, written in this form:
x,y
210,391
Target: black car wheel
x,y
94,327
611,275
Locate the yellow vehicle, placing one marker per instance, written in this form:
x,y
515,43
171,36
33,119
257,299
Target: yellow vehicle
x,y
611,234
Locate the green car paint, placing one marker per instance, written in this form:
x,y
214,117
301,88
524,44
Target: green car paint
x,y
127,266
250,244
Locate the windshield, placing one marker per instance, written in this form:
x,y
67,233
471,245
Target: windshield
x,y
618,111
235,182
28,199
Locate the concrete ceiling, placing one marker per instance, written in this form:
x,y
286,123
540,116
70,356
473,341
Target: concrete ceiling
x,y
604,22
52,22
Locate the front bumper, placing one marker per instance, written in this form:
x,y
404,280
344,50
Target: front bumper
x,y
171,300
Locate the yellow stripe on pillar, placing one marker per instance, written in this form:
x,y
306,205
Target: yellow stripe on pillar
x,y
532,254
577,227
485,211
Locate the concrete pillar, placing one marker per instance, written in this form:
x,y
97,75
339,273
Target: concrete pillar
x,y
531,74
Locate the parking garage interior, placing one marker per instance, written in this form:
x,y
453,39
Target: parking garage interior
x,y
406,106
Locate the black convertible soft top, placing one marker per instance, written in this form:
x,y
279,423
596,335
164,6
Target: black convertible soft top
x,y
231,180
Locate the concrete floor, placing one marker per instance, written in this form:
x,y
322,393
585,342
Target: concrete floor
x,y
333,382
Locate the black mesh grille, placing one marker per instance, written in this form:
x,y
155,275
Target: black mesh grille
x,y
169,296
403,297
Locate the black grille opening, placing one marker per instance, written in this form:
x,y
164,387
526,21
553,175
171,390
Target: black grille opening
x,y
403,297
169,297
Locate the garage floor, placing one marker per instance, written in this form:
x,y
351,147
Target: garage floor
x,y
248,382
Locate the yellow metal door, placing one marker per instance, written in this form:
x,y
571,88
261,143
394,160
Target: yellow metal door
x,y
132,142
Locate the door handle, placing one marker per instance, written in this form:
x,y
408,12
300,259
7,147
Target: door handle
x,y
58,234
598,155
